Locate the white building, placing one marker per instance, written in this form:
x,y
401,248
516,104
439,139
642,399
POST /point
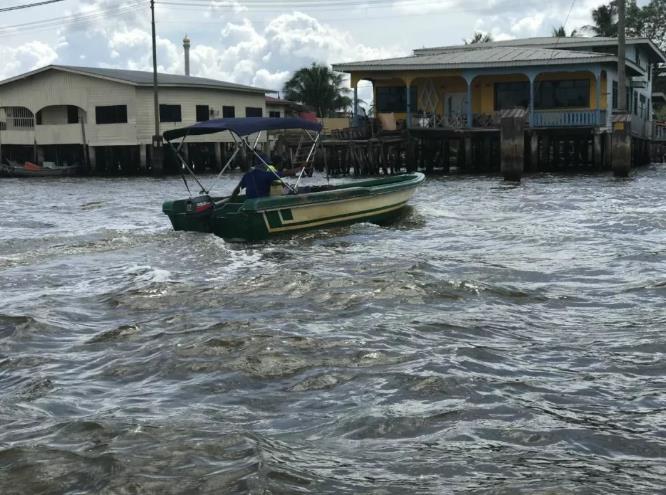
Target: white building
x,y
104,118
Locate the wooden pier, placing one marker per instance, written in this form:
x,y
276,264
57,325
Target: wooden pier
x,y
511,149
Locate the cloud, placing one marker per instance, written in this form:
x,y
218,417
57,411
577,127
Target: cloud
x,y
25,58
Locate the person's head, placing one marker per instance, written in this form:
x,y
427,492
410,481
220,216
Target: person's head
x,y
261,160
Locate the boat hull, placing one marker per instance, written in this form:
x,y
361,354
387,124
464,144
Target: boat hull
x,y
256,219
19,171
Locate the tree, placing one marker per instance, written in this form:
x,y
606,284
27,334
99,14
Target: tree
x,y
561,32
648,21
319,88
605,20
479,38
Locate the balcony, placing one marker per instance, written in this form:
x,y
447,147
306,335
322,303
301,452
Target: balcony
x,y
59,134
568,118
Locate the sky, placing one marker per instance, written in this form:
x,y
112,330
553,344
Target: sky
x,y
260,42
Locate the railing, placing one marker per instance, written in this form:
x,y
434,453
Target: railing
x,y
568,118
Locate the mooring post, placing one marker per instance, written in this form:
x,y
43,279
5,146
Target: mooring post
x,y
621,148
512,145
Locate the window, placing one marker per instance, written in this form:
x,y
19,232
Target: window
x,y
113,114
635,103
394,99
615,95
253,112
642,108
274,114
512,95
170,113
229,112
562,94
72,114
203,113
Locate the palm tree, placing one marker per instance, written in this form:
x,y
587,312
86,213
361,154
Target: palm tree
x,y
319,88
605,20
561,32
479,38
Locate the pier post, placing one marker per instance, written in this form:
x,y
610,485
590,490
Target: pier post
x,y
607,150
143,162
534,152
92,158
621,152
596,139
40,155
512,146
446,155
217,150
157,156
469,158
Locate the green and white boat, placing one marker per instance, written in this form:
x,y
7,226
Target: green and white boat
x,y
301,208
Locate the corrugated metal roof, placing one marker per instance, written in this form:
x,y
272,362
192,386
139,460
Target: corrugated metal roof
x,y
541,41
145,78
575,42
489,57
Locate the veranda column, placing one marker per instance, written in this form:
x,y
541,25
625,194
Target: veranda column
x,y
469,103
531,77
408,96
597,97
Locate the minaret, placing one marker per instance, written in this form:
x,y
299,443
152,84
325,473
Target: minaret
x,y
186,47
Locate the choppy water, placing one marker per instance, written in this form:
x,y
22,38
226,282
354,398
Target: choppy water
x,y
498,339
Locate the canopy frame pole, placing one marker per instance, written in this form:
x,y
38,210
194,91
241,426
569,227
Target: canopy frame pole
x,y
307,160
256,141
185,165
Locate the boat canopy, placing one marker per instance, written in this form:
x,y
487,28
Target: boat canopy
x,y
242,126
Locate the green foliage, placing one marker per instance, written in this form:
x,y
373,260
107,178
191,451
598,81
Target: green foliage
x,y
319,88
479,38
648,21
605,21
561,32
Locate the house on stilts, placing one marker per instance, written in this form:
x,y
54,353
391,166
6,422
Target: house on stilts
x,y
520,105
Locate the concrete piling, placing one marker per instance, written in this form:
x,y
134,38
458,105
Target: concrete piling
x,y
621,149
512,136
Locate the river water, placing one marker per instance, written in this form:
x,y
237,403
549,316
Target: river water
x,y
498,338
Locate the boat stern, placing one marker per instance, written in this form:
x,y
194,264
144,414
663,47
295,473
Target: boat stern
x,y
192,214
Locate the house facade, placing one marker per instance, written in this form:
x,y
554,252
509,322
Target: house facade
x,y
105,117
559,82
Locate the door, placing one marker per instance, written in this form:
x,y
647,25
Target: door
x,y
455,109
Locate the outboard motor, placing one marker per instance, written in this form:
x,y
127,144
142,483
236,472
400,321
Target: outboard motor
x,y
200,204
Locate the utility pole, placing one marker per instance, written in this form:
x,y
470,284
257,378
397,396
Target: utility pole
x,y
621,55
621,138
157,157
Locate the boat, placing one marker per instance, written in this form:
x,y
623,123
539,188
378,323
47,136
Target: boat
x,y
29,169
289,208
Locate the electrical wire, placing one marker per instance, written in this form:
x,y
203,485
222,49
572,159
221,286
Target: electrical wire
x,y
28,5
280,5
69,20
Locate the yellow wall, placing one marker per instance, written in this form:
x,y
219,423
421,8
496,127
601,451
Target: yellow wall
x,y
483,93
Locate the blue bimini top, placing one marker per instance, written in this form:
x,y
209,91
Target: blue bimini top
x,y
242,126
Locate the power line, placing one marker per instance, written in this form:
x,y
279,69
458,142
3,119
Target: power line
x,y
276,5
44,24
28,5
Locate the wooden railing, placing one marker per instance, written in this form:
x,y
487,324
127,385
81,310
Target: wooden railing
x,y
568,118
